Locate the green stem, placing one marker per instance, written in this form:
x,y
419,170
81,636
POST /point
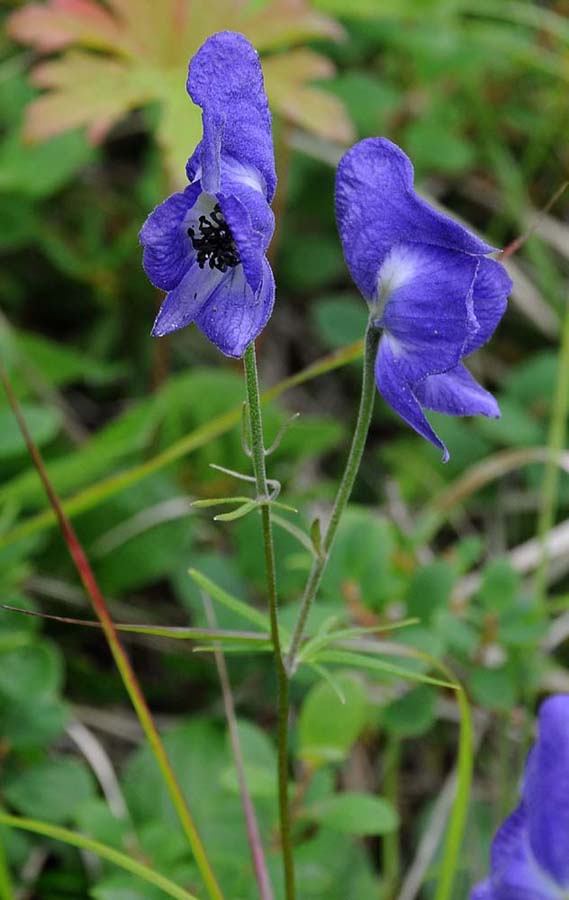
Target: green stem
x,y
457,821
556,441
259,468
391,857
344,491
102,850
6,892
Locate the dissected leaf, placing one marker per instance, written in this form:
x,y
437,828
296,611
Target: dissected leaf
x,y
289,77
141,56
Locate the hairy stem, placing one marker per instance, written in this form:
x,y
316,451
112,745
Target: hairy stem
x,y
119,654
259,468
344,492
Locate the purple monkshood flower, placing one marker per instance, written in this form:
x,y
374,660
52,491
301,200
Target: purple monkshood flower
x,y
530,853
428,281
206,245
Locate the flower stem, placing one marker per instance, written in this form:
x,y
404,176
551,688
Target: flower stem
x,y
259,468
556,441
344,491
119,654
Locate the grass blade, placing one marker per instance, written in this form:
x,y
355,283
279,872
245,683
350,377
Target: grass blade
x,y
120,657
82,842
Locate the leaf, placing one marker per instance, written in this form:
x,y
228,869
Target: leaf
x,y
494,689
358,660
430,589
141,56
85,90
41,170
353,813
259,759
216,593
43,424
316,536
411,715
289,77
56,787
128,434
31,672
58,363
500,586
338,318
327,727
54,25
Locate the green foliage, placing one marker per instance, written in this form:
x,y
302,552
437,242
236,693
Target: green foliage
x,y
328,725
56,788
353,813
476,94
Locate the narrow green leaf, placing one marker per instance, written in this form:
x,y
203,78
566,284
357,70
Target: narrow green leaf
x,y
347,658
217,593
102,850
218,501
237,513
108,487
316,536
323,640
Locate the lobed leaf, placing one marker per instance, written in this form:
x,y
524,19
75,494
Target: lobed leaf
x,y
288,79
142,51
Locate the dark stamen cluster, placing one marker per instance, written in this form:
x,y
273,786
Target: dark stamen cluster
x,y
216,245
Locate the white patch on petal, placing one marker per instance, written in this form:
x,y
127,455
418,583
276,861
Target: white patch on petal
x,y
397,269
236,171
203,206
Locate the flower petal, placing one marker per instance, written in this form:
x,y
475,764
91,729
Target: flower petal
x,y
183,304
515,873
168,252
482,891
546,790
226,80
234,315
456,393
392,379
243,214
377,207
492,288
429,307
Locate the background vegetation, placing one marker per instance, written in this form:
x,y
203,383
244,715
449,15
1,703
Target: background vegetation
x,y
476,93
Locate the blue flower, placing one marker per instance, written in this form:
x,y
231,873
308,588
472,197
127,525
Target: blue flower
x,y
206,245
530,853
429,284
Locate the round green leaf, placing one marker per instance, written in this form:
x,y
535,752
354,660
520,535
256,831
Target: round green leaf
x,y
353,813
327,727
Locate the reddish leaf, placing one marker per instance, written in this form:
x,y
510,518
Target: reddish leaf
x,y
59,23
87,90
148,44
288,77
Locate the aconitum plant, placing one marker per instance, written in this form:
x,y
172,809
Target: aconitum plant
x,y
530,853
434,293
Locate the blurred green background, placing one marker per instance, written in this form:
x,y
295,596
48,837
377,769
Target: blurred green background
x,y
95,129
